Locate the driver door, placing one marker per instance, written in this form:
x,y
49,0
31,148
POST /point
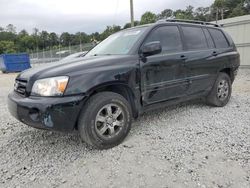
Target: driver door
x,y
163,76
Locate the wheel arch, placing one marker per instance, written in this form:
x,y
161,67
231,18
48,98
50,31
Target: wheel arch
x,y
229,72
119,88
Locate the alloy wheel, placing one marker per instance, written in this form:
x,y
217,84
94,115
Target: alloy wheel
x,y
223,90
109,121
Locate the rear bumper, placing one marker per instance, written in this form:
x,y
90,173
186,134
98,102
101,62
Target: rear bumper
x,y
54,113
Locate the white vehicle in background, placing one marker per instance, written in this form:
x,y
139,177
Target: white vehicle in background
x,y
74,56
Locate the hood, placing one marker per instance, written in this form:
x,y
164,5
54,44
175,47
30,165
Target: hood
x,y
66,68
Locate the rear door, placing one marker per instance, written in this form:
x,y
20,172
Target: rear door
x,y
163,76
200,63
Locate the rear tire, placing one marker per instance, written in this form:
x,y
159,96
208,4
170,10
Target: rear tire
x,y
105,120
221,92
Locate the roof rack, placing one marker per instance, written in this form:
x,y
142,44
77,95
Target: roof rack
x,y
190,21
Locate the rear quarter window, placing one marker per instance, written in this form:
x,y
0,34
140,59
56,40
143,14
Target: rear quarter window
x,y
219,38
209,39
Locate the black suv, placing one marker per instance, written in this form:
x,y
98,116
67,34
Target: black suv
x,y
132,71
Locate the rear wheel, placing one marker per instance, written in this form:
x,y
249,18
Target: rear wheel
x,y
221,91
105,120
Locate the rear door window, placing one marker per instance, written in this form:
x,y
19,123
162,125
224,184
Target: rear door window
x,y
168,36
194,38
219,38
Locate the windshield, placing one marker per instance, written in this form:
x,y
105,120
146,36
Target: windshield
x,y
118,44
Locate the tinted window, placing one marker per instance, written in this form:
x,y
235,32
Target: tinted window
x,y
169,38
194,38
219,38
209,39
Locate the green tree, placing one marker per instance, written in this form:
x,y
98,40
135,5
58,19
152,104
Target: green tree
x,y
26,43
109,30
219,6
23,33
148,17
237,11
220,3
222,9
187,14
35,36
7,36
247,6
65,39
44,41
11,28
167,13
237,7
53,39
22,41
7,47
128,25
202,14
179,14
85,38
35,32
81,38
95,36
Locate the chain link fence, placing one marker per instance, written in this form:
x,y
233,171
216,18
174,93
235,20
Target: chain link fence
x,y
54,55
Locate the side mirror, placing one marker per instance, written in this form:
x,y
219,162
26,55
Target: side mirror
x,y
151,48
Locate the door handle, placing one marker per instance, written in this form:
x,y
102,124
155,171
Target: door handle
x,y
214,53
183,57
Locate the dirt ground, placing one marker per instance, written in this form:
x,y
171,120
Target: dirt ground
x,y
188,145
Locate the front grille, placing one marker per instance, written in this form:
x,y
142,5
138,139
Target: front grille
x,y
20,87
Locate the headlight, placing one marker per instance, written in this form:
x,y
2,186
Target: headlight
x,y
50,86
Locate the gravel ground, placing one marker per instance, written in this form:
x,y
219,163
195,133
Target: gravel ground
x,y
189,145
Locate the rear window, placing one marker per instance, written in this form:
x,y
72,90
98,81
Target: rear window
x,y
219,38
194,38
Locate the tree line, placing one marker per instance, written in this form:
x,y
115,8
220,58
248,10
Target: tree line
x,y
12,42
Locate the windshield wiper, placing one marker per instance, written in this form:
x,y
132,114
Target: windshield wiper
x,y
101,54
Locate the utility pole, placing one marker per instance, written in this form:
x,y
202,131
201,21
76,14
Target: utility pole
x,y
132,13
217,15
80,43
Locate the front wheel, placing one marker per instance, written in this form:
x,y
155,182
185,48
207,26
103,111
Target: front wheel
x,y
105,120
221,92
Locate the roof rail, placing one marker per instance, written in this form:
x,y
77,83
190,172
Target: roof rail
x,y
190,21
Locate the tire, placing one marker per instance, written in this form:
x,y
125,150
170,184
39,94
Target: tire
x,y
221,92
98,125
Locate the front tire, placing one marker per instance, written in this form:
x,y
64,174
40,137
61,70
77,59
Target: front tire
x,y
105,120
221,92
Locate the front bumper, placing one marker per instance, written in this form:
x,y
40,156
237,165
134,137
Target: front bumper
x,y
55,113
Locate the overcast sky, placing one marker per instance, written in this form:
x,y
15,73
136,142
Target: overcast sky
x,y
81,15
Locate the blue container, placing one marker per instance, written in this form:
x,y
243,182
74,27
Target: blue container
x,y
14,62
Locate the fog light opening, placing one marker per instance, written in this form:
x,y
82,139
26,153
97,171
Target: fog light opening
x,y
34,114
